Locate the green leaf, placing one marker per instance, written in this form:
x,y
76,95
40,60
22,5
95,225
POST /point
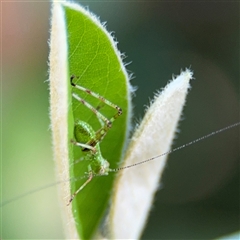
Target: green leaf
x,y
92,55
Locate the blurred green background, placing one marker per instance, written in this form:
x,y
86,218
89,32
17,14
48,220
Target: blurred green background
x,y
199,193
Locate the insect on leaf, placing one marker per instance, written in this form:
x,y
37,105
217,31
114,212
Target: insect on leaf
x,y
92,57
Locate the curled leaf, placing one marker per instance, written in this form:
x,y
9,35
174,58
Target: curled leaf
x,y
135,188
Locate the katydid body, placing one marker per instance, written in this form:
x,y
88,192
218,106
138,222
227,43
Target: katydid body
x,y
88,139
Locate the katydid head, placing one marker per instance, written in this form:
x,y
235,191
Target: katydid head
x,y
104,169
